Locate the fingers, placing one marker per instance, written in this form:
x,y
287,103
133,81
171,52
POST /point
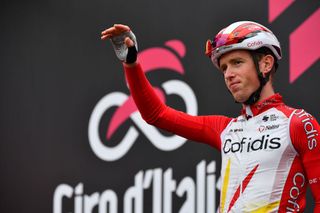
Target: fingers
x,y
122,27
113,31
128,42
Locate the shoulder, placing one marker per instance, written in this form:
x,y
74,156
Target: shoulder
x,y
219,120
304,130
286,110
303,120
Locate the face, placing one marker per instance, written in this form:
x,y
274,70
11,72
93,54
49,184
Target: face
x,y
240,74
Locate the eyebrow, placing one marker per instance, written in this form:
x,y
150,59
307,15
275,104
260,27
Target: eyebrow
x,y
236,59
232,60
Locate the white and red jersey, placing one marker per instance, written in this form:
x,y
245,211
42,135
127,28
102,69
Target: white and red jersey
x,y
268,157
270,153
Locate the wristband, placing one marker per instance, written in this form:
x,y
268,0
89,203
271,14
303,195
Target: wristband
x,y
132,55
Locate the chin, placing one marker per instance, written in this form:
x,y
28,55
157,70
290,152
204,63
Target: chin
x,y
239,98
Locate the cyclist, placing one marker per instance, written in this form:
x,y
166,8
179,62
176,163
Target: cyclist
x,y
270,152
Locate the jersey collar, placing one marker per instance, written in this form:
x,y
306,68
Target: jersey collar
x,y
255,109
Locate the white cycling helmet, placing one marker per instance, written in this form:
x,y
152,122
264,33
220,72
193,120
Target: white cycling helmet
x,y
245,35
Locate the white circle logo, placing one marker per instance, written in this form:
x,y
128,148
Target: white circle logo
x,y
127,109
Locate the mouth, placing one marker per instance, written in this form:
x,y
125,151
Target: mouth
x,y
234,86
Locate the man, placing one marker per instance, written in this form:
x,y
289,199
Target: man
x,y
271,152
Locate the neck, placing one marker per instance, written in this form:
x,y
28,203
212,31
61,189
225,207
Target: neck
x,y
267,91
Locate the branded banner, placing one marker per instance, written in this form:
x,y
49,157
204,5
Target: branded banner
x,y
72,138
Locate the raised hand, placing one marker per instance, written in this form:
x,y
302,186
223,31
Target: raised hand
x,y
123,40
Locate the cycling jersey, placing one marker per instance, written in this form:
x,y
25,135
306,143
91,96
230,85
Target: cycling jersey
x,y
270,153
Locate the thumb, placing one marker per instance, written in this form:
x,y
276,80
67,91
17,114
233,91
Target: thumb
x,y
128,42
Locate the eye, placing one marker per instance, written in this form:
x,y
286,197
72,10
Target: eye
x,y
223,69
238,62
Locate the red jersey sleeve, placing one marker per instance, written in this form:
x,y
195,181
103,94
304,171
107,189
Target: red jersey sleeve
x,y
205,129
305,135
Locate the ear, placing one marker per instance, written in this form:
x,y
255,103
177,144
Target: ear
x,y
266,64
